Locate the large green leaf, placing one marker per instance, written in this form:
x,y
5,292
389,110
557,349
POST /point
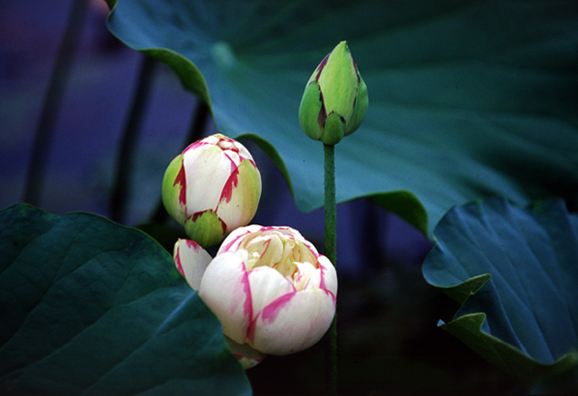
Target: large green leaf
x,y
514,272
467,99
92,307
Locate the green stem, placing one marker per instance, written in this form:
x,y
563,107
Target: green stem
x,y
52,102
331,253
124,169
330,204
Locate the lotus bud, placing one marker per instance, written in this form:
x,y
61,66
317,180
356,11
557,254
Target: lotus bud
x,y
271,290
335,99
211,188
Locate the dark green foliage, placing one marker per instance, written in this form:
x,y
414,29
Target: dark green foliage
x,y
92,307
466,99
514,272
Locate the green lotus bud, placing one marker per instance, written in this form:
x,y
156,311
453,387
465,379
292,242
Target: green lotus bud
x,y
335,99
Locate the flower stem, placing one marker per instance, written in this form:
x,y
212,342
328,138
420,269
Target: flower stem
x,y
331,253
52,103
124,170
330,204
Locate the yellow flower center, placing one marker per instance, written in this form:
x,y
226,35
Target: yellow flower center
x,y
283,253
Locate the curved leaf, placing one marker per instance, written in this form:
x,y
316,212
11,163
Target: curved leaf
x,y
466,99
92,307
514,270
405,204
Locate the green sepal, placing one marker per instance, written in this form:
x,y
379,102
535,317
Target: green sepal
x,y
205,228
360,108
334,129
309,110
171,191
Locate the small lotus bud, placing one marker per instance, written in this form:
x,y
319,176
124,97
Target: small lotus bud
x,y
335,99
212,188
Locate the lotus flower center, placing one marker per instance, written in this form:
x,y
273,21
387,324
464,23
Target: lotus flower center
x,y
284,254
226,145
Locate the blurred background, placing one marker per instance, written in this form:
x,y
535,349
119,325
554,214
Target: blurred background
x,y
388,339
